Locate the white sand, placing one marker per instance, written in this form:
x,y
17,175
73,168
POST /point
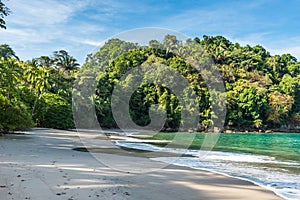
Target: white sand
x,y
42,165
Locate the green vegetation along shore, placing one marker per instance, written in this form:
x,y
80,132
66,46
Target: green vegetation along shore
x,y
262,90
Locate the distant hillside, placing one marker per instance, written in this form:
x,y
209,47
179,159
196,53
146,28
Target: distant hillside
x,y
262,90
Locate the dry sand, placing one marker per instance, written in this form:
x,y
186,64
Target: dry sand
x,y
42,165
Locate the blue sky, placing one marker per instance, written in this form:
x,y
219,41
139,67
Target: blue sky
x,y
39,27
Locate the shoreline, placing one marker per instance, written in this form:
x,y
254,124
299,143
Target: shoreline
x,y
136,153
240,178
44,161
120,131
236,130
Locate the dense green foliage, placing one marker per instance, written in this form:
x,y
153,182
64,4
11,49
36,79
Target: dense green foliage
x,y
14,115
54,112
262,90
36,92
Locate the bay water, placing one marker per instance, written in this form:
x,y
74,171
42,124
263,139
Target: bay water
x,y
270,160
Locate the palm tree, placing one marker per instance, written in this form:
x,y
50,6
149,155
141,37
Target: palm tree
x,y
10,74
170,43
38,80
64,61
7,52
45,62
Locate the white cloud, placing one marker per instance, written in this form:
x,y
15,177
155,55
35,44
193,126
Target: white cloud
x,y
41,13
236,22
38,27
294,50
252,38
91,42
37,21
271,44
27,36
289,45
208,20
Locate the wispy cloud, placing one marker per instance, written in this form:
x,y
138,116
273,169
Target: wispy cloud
x,y
287,45
273,44
211,19
46,12
91,42
42,26
36,21
294,50
238,21
45,26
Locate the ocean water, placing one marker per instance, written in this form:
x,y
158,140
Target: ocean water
x,y
269,160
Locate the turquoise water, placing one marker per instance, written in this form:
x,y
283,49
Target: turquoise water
x,y
269,160
282,146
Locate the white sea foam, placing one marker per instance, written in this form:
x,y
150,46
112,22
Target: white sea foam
x,y
240,165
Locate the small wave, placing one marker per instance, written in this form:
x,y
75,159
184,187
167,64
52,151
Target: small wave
x,y
239,165
212,155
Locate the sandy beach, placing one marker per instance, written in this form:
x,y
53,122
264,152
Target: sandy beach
x,y
42,164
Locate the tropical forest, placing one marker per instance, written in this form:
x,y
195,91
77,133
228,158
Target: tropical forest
x,y
262,90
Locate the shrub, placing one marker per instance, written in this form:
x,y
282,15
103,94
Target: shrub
x,y
53,111
14,115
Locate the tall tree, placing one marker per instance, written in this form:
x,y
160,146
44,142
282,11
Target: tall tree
x,y
37,79
44,61
7,52
10,76
64,61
